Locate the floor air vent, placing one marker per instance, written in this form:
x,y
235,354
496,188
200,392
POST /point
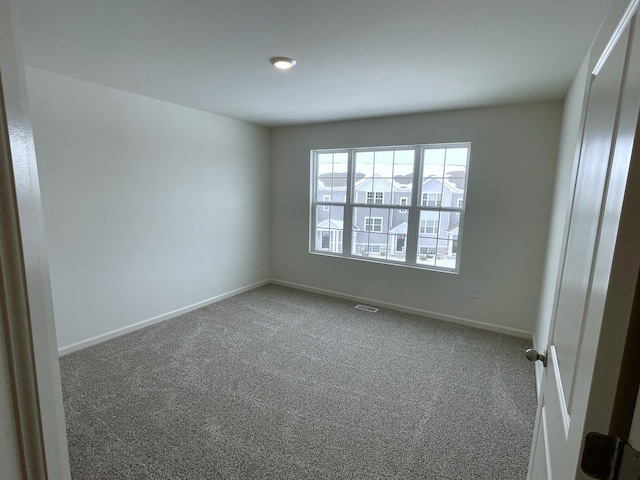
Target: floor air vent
x,y
366,308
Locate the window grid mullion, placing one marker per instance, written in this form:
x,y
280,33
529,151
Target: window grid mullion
x,y
413,216
347,223
313,228
434,203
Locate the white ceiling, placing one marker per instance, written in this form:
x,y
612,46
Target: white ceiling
x,y
356,58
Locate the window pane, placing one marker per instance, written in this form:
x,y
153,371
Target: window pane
x,y
433,163
452,197
401,193
450,222
398,247
377,233
377,190
456,159
401,177
373,191
403,163
379,195
431,199
340,164
427,248
328,194
332,176
325,164
430,223
445,257
456,175
445,171
364,165
432,192
329,229
383,177
438,238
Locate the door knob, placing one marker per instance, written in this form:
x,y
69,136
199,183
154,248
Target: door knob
x,y
533,355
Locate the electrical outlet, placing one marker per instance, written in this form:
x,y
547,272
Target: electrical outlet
x,y
472,292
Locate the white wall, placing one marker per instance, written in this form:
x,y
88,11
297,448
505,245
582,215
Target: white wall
x,y
149,207
569,136
511,178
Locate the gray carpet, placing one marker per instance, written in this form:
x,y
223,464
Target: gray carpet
x,y
282,384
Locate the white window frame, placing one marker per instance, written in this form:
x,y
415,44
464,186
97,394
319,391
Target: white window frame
x,y
371,222
412,212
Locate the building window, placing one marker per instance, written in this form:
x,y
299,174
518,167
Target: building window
x,y
373,224
431,199
429,226
375,197
329,240
402,205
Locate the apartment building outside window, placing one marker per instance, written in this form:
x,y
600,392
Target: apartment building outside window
x,y
402,205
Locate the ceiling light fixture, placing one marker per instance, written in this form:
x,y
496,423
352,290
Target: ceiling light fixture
x,y
283,63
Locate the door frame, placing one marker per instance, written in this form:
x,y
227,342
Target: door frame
x,y
15,321
26,307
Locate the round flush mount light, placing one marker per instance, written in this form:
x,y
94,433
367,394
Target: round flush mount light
x,y
283,63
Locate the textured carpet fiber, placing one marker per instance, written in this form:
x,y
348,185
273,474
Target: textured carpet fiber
x,y
283,384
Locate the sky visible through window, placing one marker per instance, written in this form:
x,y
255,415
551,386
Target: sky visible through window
x,y
393,163
370,207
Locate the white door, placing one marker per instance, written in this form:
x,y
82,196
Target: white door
x,y
590,249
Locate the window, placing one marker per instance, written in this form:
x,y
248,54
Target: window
x,y
402,205
375,197
431,199
326,198
329,240
429,226
373,224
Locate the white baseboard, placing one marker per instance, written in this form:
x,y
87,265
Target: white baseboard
x,y
151,321
416,311
166,316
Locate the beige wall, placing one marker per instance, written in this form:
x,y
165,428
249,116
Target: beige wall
x,y
511,179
